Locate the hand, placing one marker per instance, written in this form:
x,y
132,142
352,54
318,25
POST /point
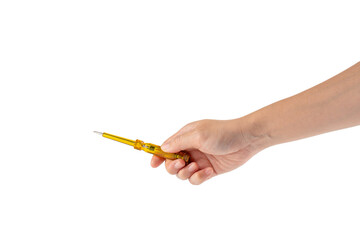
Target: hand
x,y
215,147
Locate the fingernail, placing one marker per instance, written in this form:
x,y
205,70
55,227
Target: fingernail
x,y
192,167
178,165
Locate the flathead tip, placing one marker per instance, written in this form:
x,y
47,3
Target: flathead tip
x,y
100,133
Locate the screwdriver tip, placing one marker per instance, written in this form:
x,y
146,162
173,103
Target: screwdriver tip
x,y
100,133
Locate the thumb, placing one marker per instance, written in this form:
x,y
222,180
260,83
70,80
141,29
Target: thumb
x,y
180,142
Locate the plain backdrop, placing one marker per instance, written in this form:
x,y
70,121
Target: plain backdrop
x,y
144,69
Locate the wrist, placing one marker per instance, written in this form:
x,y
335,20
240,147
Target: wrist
x,y
255,130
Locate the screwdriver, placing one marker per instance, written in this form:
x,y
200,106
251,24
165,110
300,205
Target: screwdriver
x,y
148,147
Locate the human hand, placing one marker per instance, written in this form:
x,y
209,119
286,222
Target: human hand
x,y
215,147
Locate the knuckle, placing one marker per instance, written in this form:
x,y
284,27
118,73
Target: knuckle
x,y
198,137
189,126
177,139
181,176
169,168
201,132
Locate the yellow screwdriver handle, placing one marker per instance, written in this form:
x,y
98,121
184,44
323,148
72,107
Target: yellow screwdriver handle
x,y
156,150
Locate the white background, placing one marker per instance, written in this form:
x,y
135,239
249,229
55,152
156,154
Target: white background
x,y
143,69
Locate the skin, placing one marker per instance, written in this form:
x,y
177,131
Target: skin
x,y
219,146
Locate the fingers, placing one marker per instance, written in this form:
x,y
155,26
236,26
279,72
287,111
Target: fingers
x,y
187,171
156,161
201,176
192,171
173,166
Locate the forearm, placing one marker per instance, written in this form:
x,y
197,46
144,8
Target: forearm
x,y
331,105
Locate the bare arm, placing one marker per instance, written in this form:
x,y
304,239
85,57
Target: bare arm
x,y
331,105
219,146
